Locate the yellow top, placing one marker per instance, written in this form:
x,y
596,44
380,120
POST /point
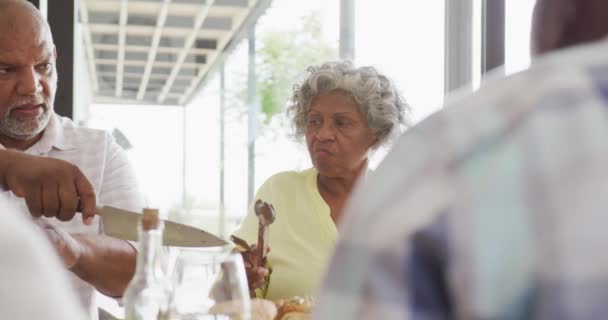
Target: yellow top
x,y
301,238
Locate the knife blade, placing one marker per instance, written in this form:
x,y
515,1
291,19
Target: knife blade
x,y
122,224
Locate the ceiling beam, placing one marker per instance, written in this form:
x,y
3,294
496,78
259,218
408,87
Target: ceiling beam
x,y
138,75
245,21
198,23
135,48
122,39
158,31
148,31
101,99
138,63
176,9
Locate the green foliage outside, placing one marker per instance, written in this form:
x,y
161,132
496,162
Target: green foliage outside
x,y
282,59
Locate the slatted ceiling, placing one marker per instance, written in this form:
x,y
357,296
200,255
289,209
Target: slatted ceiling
x,y
140,63
130,55
147,51
217,23
148,31
101,17
134,48
220,8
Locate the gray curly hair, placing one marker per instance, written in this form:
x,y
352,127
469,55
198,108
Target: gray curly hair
x,y
379,101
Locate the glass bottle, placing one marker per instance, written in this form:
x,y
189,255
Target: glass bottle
x,y
146,295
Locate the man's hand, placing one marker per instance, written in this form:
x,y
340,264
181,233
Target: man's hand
x,y
68,248
51,187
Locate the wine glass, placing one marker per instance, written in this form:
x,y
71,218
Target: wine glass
x,y
210,285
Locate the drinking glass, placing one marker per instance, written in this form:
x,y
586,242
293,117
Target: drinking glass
x,y
210,285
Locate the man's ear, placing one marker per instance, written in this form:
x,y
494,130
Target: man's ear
x,y
550,22
546,28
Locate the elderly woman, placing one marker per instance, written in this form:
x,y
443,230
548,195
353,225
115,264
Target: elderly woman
x,y
344,113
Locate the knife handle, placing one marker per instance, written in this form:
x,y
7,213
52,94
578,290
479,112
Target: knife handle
x,y
79,208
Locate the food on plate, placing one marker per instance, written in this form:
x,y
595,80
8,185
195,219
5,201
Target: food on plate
x,y
260,309
263,309
296,308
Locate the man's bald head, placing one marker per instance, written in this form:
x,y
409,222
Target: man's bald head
x,y
4,4
20,15
28,74
557,24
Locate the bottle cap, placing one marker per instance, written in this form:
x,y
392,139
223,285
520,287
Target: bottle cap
x,y
150,219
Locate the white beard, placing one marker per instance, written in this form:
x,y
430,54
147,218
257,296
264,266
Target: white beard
x,y
24,129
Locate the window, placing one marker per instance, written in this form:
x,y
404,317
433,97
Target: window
x,y
518,21
236,135
200,202
405,40
155,133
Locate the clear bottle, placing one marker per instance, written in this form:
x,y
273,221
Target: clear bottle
x,y
146,295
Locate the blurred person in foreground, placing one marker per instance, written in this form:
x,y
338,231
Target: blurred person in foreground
x,y
495,207
28,83
344,113
33,284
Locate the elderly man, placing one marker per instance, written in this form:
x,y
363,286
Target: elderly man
x,y
28,81
495,207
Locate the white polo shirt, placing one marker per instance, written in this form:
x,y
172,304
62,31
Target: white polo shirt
x,y
104,163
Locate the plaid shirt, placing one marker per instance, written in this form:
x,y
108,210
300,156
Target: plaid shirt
x,y
493,208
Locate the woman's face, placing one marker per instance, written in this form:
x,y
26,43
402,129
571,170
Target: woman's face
x,y
337,134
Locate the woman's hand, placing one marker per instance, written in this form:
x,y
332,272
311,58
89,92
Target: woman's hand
x,y
256,274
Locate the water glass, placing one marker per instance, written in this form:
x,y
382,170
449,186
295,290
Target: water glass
x,y
209,285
